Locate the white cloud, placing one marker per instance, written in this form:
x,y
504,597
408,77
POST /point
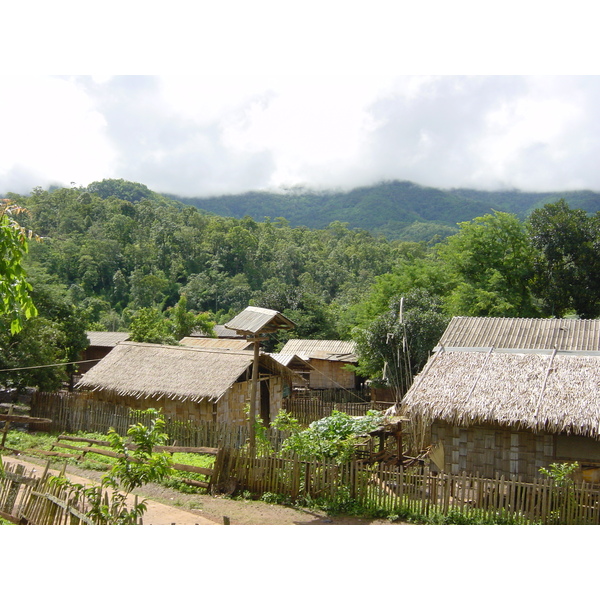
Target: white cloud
x,y
195,136
50,130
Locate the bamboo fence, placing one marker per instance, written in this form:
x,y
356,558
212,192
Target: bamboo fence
x,y
393,489
77,412
29,499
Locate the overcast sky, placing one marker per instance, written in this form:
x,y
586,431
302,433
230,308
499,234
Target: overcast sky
x,y
251,96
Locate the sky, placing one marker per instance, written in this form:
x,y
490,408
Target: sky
x,y
218,98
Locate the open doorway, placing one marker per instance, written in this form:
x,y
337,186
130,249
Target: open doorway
x,y
265,403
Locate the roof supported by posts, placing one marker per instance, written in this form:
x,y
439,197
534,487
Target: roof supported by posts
x,y
254,321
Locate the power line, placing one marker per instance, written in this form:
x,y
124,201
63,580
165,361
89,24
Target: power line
x,y
77,362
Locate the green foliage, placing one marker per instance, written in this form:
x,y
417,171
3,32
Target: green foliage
x,y
149,326
567,268
132,469
55,336
396,345
333,437
561,472
15,291
142,465
491,259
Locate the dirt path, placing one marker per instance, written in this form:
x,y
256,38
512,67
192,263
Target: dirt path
x,y
171,507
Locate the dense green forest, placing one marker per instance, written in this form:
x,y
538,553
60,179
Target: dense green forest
x,y
117,256
396,209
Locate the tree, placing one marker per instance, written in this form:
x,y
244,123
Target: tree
x,y
491,259
397,344
14,288
54,336
567,269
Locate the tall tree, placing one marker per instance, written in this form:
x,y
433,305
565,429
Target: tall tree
x,y
567,269
492,261
397,344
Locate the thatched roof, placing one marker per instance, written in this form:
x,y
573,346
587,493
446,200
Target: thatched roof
x,y
520,334
542,391
106,339
335,350
173,372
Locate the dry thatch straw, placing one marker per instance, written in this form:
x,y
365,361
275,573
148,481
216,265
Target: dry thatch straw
x,y
554,393
172,372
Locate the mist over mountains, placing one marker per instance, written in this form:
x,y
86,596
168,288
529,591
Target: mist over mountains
x,y
394,209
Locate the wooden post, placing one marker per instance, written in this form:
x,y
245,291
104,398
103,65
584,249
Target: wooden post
x,y
6,427
253,394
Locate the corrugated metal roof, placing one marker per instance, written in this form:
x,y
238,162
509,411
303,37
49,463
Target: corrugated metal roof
x,y
220,331
106,339
253,320
575,335
292,361
223,344
324,349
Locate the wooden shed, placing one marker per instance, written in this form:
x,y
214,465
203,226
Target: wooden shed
x,y
511,395
198,384
101,343
329,361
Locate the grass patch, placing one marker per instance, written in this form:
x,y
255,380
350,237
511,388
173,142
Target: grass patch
x,y
28,442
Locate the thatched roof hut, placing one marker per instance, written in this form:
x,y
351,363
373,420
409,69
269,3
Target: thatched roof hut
x,y
511,395
541,391
100,344
328,360
577,335
335,350
173,372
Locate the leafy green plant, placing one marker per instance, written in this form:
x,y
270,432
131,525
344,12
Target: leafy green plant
x,y
333,437
561,472
108,504
562,475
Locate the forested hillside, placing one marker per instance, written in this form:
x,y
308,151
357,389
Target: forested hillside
x,y
117,256
395,209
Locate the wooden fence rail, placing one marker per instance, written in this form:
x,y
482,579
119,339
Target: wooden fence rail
x,y
392,489
100,447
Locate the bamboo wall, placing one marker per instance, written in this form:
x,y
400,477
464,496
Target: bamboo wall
x,y
488,451
228,409
330,374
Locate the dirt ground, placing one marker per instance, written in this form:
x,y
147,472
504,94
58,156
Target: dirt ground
x,y
171,507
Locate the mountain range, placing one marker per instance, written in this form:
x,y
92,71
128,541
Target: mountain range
x,y
394,209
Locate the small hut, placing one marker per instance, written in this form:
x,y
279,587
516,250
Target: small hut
x,y
197,384
101,343
510,396
328,359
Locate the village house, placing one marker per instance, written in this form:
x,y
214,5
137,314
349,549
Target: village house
x,y
328,362
189,383
509,396
101,343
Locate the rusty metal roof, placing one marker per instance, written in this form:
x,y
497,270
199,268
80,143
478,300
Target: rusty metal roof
x,y
568,335
254,320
